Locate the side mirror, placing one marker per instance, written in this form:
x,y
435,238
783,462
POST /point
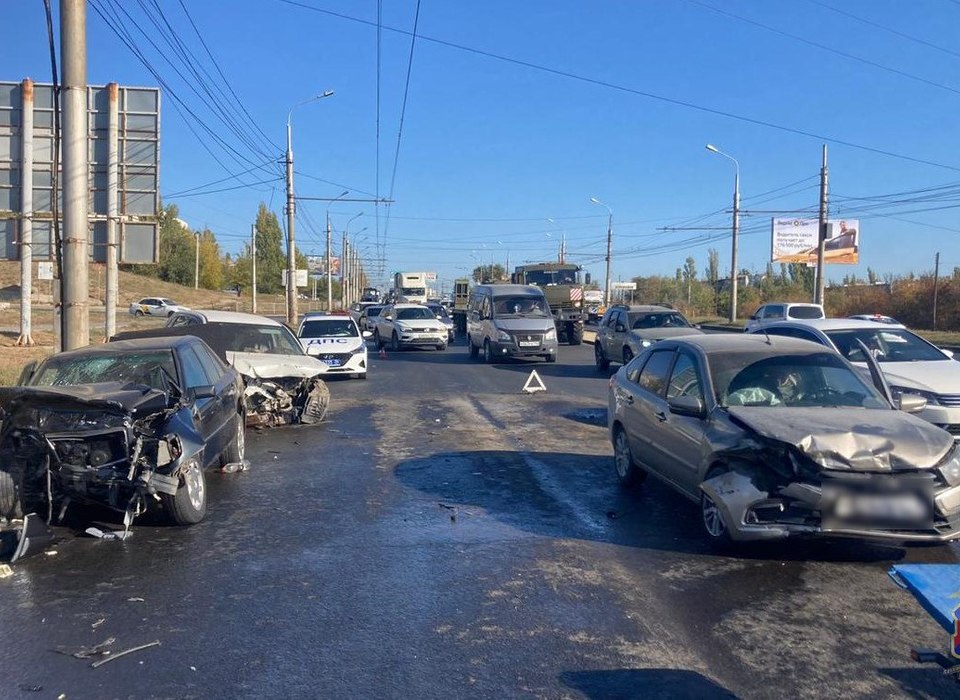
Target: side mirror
x,y
911,403
26,374
754,318
366,335
948,353
205,391
620,328
697,326
687,406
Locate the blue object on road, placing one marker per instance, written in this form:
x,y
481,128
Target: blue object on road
x,y
935,586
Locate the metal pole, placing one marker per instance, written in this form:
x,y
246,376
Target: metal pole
x,y
822,230
196,263
734,277
329,269
253,275
606,293
26,216
113,211
936,285
291,249
344,277
76,232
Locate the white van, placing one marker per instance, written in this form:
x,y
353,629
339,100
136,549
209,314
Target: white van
x,y
510,320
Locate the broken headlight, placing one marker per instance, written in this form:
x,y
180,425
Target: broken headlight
x,y
950,470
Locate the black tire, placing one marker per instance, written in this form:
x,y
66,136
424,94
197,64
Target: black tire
x,y
377,340
550,358
627,355
711,520
474,350
139,312
395,342
442,346
361,375
170,313
238,445
602,362
189,505
574,333
628,473
487,352
9,498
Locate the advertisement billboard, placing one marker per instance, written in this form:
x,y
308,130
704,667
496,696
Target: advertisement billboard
x,y
795,241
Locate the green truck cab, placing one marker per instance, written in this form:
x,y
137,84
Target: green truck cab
x,y
563,287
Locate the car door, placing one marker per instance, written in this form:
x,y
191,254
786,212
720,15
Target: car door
x,y
154,307
227,390
603,331
644,405
206,410
677,445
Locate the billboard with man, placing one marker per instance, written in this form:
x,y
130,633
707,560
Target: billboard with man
x,y
795,241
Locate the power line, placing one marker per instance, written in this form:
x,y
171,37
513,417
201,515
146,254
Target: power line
x,y
215,182
634,91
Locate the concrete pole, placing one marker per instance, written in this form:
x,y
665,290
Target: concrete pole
x,y
606,286
253,272
344,271
822,231
936,286
735,276
291,238
76,189
196,263
26,216
113,211
329,269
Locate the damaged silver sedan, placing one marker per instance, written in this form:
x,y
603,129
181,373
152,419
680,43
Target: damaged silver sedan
x,y
777,437
125,425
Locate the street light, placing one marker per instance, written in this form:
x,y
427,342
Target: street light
x,y
328,265
563,240
606,285
291,211
736,231
345,276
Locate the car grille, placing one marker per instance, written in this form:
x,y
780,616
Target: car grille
x,y
342,356
952,400
529,337
952,428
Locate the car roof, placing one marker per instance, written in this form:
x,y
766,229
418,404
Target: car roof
x,y
215,316
646,308
727,342
165,342
323,316
833,324
792,303
408,305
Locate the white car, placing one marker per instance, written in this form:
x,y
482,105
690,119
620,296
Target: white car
x,y
443,316
910,364
406,325
783,311
337,341
155,306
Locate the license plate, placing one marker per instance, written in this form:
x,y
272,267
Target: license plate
x,y
332,363
528,344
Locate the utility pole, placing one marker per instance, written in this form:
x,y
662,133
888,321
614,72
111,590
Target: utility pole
x,y
253,271
822,237
329,269
606,291
936,286
76,229
26,217
196,263
291,249
735,273
344,269
113,211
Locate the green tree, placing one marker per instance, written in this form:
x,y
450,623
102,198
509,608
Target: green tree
x,y
177,249
489,273
690,276
211,266
271,258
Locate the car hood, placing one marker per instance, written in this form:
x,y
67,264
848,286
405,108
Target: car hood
x,y
525,325
936,376
419,324
661,333
265,366
107,396
320,346
850,438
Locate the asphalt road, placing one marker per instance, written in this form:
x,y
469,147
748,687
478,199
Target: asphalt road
x,y
443,535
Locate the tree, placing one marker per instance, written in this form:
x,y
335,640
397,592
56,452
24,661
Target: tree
x,y
689,275
271,259
177,249
211,266
713,276
872,276
489,273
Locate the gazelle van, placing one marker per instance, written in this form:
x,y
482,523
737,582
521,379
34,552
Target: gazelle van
x,y
510,320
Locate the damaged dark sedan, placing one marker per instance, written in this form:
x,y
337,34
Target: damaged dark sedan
x,y
123,425
777,437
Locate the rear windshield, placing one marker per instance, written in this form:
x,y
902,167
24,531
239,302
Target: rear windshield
x,y
804,312
374,311
658,320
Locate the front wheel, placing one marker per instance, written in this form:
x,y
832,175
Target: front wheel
x,y
474,350
713,525
627,355
442,346
139,312
602,362
628,472
238,448
395,342
487,352
9,498
550,358
189,504
574,333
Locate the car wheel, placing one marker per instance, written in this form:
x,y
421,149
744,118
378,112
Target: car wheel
x,y
474,350
487,352
442,346
601,362
169,314
9,499
712,519
139,312
361,375
189,504
627,355
377,341
628,472
238,447
550,358
395,342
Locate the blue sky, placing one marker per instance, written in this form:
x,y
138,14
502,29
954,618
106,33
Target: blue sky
x,y
491,149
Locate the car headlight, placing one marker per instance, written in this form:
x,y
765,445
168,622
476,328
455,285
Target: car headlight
x,y
503,336
362,350
400,327
930,396
550,334
951,469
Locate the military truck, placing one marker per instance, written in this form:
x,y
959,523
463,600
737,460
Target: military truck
x,y
461,300
563,288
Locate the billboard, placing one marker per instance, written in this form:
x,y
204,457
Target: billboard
x,y
795,241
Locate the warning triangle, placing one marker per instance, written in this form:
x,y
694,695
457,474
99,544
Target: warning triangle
x,y
534,384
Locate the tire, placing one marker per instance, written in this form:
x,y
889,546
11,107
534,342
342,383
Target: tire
x,y
376,340
9,498
395,342
442,346
602,363
627,355
238,446
628,473
711,519
474,350
189,505
169,314
487,352
574,333
361,375
139,312
550,358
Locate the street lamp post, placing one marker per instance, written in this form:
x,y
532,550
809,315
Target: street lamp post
x,y
328,265
344,256
736,231
291,211
563,241
606,285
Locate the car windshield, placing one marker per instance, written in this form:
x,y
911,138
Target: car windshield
x,y
373,311
169,302
520,306
329,328
148,367
886,345
439,311
756,378
415,313
413,291
271,340
659,320
804,312
545,278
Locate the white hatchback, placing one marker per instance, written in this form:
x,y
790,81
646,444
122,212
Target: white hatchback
x,y
337,341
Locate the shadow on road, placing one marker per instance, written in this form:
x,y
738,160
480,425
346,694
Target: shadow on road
x,y
647,683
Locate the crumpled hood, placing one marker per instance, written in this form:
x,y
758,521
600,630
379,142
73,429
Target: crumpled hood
x,y
264,366
660,333
851,438
321,346
105,396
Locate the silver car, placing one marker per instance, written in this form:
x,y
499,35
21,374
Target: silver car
x,y
775,437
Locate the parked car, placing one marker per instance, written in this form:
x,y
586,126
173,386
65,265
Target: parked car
x,y
782,311
443,316
120,425
409,325
910,364
337,341
368,317
879,318
510,320
625,330
776,437
283,383
356,309
155,306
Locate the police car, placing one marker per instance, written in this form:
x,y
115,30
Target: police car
x,y
335,340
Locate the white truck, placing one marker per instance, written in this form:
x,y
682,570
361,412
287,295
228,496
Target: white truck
x,y
410,287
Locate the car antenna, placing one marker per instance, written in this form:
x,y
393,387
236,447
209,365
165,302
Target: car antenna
x,y
767,336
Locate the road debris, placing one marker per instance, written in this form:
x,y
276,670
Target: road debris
x,y
99,622
136,599
5,571
101,662
100,649
107,534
